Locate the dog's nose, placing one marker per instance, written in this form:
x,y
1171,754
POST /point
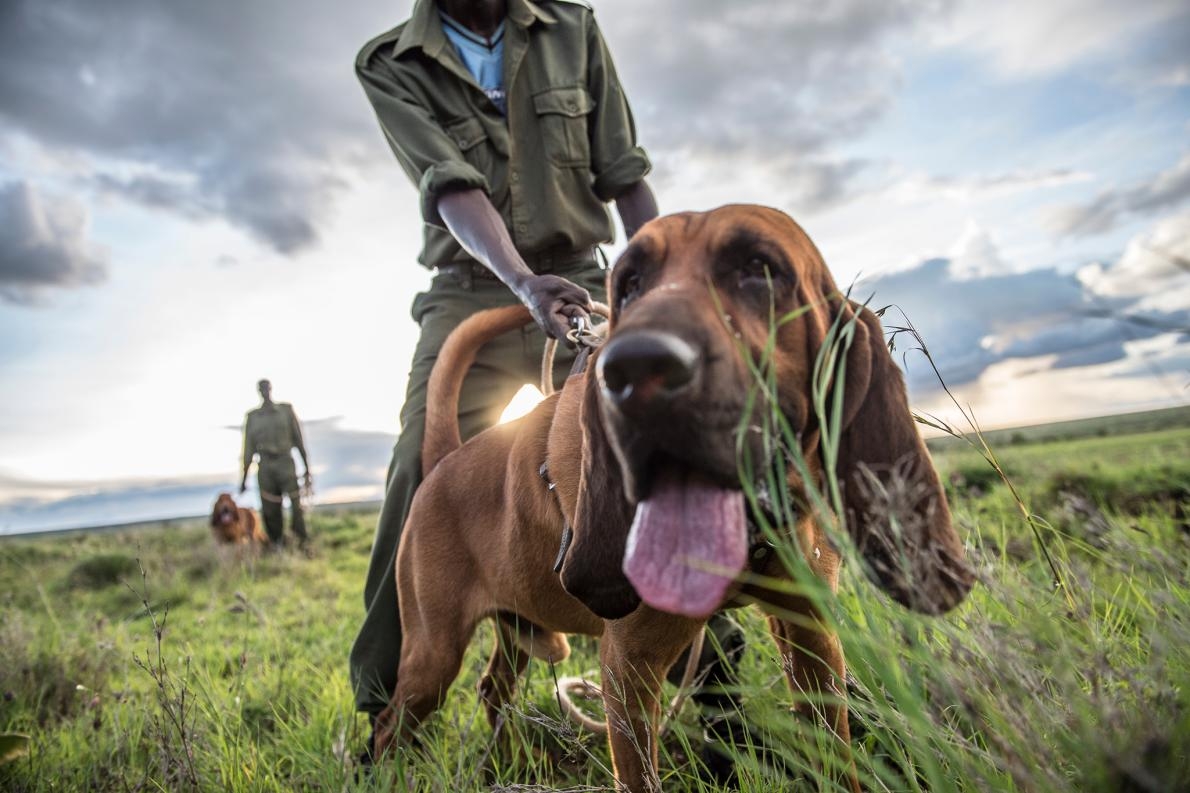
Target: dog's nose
x,y
643,368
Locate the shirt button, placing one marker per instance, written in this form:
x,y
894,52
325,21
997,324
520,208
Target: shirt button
x,y
521,228
515,176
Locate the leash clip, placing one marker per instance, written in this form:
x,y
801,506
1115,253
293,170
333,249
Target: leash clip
x,y
582,333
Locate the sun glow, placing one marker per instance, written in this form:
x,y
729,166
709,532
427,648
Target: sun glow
x,y
521,403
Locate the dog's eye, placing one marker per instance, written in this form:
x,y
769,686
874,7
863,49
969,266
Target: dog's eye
x,y
758,272
629,289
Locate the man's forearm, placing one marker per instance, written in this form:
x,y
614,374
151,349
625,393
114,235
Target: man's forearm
x,y
553,301
637,206
475,223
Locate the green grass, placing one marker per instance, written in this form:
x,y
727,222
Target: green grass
x,y
246,689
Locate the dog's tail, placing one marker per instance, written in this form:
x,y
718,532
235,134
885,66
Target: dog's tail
x,y
446,380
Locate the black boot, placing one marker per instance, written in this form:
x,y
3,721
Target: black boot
x,y
366,758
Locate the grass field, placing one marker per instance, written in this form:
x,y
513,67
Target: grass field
x,y
138,660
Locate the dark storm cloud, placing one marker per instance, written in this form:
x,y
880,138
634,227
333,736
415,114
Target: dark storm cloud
x,y
243,110
43,244
970,324
757,81
250,111
1166,58
1163,191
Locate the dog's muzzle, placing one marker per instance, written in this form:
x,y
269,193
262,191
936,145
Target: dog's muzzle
x,y
642,371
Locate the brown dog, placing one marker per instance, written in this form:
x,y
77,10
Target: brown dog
x,y
642,453
234,525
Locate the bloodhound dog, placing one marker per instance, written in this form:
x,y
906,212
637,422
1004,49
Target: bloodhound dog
x,y
235,525
633,469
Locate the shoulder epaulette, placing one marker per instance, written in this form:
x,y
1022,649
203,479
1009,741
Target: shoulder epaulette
x,y
369,49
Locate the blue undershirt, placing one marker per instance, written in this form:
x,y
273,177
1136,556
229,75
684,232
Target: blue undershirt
x,y
484,58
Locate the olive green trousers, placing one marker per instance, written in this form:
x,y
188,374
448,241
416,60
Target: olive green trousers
x,y
276,477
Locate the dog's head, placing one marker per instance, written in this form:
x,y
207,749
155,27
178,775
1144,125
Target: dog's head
x,y
662,516
224,515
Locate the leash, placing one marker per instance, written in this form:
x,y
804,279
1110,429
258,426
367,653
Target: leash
x,y
584,336
569,687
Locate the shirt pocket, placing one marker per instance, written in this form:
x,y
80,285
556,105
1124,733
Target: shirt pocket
x,y
562,113
470,136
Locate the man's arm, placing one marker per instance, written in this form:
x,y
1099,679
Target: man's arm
x,y
246,456
475,223
448,185
636,206
295,429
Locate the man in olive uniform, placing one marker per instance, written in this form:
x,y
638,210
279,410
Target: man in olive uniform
x,y
509,118
272,431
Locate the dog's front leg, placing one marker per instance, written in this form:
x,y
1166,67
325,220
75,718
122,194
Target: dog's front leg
x,y
636,652
812,659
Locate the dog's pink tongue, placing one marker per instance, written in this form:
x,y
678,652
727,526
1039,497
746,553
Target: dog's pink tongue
x,y
687,544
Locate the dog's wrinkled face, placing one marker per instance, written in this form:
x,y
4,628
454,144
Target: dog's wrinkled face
x,y
695,299
225,513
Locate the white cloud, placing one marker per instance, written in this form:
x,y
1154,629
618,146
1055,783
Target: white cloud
x,y
1166,189
975,254
1018,391
1025,38
917,187
1153,263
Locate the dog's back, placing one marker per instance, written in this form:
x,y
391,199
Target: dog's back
x,y
251,527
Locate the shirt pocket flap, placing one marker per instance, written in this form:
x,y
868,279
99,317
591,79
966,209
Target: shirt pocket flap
x,y
573,102
466,133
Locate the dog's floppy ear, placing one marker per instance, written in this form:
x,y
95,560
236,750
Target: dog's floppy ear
x,y
593,567
215,508
893,503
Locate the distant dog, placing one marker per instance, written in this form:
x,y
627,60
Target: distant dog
x,y
235,525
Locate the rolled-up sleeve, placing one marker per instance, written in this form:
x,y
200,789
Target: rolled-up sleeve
x,y
617,162
428,155
249,443
295,431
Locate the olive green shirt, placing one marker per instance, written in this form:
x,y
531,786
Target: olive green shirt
x,y
271,430
567,146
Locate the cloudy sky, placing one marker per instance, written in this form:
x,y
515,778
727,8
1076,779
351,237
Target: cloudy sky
x,y
196,195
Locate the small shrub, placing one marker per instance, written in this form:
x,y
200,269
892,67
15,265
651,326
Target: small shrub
x,y
202,569
102,571
974,479
1128,491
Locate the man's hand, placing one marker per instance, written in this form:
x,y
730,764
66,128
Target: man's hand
x,y
307,480
553,301
477,226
